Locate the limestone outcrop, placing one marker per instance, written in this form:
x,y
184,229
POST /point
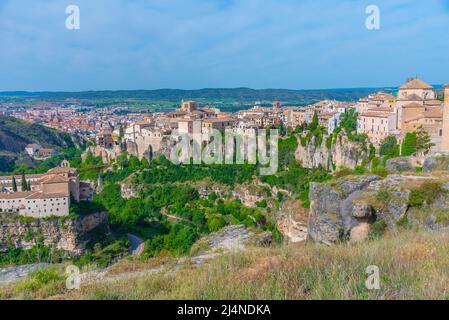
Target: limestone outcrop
x,y
342,152
350,208
71,235
436,162
400,164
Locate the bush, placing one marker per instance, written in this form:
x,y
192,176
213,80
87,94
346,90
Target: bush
x,y
262,204
378,229
41,283
426,194
216,223
389,147
380,171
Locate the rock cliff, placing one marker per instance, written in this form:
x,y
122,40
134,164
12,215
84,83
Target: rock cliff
x,y
342,152
71,235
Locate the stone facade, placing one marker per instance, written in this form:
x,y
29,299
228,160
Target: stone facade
x,y
49,193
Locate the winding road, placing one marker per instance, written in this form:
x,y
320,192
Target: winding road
x,y
137,245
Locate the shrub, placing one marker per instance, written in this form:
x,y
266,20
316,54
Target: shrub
x,y
262,203
404,222
378,229
426,194
216,223
380,171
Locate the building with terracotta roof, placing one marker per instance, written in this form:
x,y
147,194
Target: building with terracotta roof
x,y
414,92
50,193
416,106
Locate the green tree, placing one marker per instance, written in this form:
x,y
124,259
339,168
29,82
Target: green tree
x,y
14,184
423,141
372,151
23,183
121,133
389,147
144,164
314,124
348,121
409,144
90,159
133,163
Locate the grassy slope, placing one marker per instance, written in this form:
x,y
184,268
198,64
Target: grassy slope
x,y
413,265
15,134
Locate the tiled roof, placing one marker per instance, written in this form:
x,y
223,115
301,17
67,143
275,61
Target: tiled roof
x,y
55,178
60,170
416,84
413,105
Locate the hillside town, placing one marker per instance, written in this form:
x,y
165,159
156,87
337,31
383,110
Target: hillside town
x,y
416,105
380,115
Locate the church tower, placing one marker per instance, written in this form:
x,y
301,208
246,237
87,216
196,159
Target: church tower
x,y
445,140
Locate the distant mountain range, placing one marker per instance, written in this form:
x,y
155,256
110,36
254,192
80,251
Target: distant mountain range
x,y
236,94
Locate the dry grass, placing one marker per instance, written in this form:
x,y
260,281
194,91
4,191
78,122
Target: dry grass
x,y
413,265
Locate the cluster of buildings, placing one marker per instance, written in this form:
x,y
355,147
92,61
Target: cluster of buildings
x,y
415,105
47,194
84,120
38,152
151,134
328,111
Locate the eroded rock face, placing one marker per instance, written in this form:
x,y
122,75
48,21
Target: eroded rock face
x,y
70,235
437,162
348,207
292,221
362,211
401,164
332,208
236,238
342,153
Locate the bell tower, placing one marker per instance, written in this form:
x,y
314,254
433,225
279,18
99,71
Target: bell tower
x,y
445,139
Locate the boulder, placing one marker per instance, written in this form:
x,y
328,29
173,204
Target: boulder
x,y
236,238
362,211
400,164
332,208
360,233
437,162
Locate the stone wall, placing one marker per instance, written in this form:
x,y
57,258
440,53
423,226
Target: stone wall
x,y
71,235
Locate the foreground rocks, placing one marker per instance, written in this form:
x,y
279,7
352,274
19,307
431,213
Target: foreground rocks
x,y
229,239
236,238
437,162
400,164
12,274
350,208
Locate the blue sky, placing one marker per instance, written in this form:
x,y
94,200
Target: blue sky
x,y
191,44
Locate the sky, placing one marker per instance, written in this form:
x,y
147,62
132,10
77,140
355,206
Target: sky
x,y
193,44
